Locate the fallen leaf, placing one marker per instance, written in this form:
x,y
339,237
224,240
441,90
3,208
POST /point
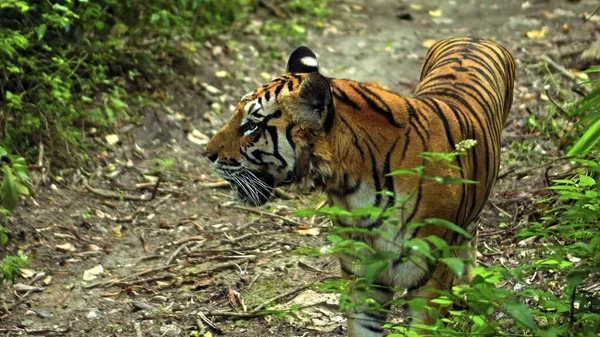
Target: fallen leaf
x,y
416,7
27,273
197,137
117,231
536,34
67,247
112,139
436,13
221,74
428,43
92,273
265,75
150,179
314,231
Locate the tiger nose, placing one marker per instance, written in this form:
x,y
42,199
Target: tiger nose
x,y
212,156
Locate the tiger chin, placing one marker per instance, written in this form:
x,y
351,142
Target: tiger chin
x,y
307,131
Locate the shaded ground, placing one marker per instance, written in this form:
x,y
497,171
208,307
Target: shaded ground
x,y
192,249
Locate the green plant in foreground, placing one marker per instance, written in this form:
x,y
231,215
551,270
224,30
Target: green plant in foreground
x,y
15,183
15,180
10,267
567,255
589,108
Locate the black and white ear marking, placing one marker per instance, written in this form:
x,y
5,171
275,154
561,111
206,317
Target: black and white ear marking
x,y
302,60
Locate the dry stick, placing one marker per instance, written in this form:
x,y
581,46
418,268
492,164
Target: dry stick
x,y
563,71
155,190
114,195
207,321
558,67
111,282
156,278
554,103
272,215
279,193
219,184
278,297
178,250
529,169
591,15
235,314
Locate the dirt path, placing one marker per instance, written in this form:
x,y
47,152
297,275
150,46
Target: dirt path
x,y
190,250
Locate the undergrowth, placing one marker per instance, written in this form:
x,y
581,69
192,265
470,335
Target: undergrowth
x,y
68,66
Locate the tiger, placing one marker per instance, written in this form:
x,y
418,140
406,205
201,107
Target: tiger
x,y
313,132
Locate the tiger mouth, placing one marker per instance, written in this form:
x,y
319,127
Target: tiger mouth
x,y
254,188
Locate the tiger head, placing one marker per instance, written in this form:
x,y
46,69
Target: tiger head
x,y
276,136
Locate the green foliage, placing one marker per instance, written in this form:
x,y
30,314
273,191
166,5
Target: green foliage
x,y
568,256
589,108
64,64
10,266
15,183
15,180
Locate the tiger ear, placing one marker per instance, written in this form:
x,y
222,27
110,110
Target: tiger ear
x,y
315,101
302,60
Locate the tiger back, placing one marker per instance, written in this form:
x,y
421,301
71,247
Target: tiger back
x,y
344,137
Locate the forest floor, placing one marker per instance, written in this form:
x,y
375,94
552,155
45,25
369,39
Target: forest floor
x,y
106,263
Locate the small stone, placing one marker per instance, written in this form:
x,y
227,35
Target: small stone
x,y
43,314
94,313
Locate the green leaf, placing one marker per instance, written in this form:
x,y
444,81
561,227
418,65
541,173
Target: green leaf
x,y
442,301
587,141
22,189
457,265
521,314
586,180
41,31
447,224
373,269
9,189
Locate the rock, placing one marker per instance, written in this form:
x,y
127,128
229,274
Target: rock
x,y
94,313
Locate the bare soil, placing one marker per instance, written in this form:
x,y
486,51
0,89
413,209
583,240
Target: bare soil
x,y
191,251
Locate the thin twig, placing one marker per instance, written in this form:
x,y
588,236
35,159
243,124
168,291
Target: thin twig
x,y
591,15
278,297
155,189
272,215
111,282
529,169
178,250
114,195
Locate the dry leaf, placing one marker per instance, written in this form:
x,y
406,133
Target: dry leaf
x,y
428,43
536,34
221,74
416,7
436,13
197,137
265,75
67,247
117,231
92,273
27,273
314,231
112,139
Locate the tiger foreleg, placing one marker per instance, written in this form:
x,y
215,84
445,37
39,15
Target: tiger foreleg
x,y
367,306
